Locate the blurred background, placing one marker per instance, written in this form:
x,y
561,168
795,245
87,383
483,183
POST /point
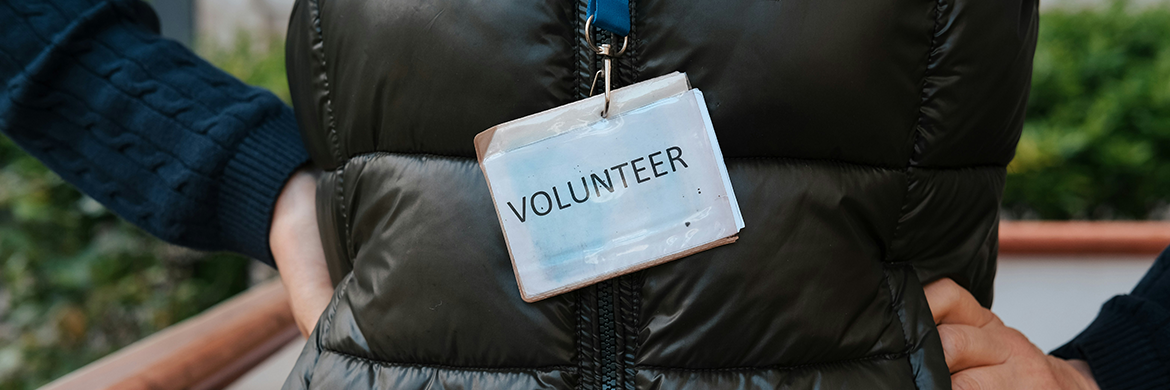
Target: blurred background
x,y
77,283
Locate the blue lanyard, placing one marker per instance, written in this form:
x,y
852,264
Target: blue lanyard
x,y
610,15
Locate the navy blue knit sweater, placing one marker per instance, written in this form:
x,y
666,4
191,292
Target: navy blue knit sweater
x,y
1128,345
142,125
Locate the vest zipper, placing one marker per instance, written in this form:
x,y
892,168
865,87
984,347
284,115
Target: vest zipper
x,y
607,312
609,375
607,325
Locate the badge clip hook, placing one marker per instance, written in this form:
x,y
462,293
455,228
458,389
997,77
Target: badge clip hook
x,y
606,51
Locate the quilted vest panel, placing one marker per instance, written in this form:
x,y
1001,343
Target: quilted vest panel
x,y
866,141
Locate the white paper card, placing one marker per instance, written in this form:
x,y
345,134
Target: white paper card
x,y
582,198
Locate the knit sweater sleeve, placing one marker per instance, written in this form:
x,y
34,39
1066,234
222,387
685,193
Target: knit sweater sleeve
x,y
1128,345
142,125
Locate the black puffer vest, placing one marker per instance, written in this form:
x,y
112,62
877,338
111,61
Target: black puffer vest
x,y
866,140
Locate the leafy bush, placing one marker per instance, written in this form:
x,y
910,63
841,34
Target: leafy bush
x,y
77,282
1096,144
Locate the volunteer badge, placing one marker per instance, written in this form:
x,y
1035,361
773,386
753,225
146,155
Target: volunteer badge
x,y
583,198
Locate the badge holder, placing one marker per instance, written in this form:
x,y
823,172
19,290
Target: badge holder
x,y
608,185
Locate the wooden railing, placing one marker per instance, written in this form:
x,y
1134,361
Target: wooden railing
x,y
215,348
1083,238
208,351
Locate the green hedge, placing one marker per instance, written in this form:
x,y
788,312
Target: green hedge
x,y
1096,144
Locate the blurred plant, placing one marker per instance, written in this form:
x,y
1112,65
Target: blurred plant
x,y
257,60
1096,144
77,282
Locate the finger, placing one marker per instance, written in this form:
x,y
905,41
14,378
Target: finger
x,y
986,378
966,346
952,304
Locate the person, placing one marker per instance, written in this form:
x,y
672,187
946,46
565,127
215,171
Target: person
x,y
196,158
866,143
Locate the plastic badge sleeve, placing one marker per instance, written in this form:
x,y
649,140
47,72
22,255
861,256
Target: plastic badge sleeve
x,y
582,198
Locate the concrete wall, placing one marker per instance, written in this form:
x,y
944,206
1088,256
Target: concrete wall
x,y
1052,299
218,21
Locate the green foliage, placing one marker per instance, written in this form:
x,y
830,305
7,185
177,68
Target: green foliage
x,y
77,282
257,61
1096,144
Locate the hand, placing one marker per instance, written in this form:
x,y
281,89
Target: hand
x,y
983,354
296,246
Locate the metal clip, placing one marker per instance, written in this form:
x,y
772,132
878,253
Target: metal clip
x,y
606,51
607,67
598,49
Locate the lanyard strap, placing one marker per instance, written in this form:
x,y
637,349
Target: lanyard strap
x,y
610,15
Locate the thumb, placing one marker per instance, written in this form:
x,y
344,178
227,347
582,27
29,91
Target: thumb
x,y
953,304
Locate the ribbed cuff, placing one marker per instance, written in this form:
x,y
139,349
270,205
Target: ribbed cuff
x,y
1126,346
252,181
